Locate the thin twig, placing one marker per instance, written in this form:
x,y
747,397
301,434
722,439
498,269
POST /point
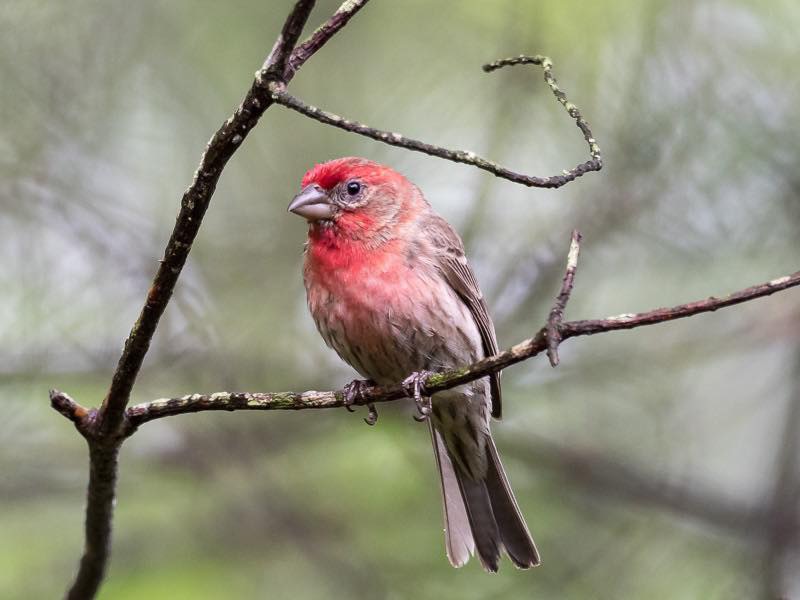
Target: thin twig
x,y
438,382
275,64
326,31
595,163
662,315
557,312
68,407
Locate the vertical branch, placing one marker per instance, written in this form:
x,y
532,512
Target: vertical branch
x,y
193,207
281,65
553,326
99,513
105,429
275,64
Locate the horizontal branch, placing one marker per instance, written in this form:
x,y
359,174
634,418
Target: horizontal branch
x,y
437,382
279,95
662,315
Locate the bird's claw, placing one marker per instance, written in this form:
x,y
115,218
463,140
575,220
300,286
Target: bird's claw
x,y
414,385
420,418
372,417
354,394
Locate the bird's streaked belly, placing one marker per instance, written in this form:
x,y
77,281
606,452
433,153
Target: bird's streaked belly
x,y
386,335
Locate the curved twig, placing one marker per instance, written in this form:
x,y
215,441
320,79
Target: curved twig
x,y
279,95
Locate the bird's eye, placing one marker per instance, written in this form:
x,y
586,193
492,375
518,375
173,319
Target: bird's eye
x,y
353,187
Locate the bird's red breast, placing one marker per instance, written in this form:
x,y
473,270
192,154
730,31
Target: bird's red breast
x,y
367,244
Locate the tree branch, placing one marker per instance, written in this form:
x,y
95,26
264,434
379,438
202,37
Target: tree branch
x,y
195,202
438,382
68,407
281,65
105,428
279,94
99,514
276,61
553,326
318,39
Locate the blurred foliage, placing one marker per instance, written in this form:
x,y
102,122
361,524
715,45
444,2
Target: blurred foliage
x,y
658,463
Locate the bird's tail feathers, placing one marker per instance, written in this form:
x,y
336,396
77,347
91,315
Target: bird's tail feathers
x,y
457,533
481,515
514,533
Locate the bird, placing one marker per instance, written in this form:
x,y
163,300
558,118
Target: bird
x,y
390,290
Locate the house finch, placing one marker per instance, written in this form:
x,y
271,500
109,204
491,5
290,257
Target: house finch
x,y
391,291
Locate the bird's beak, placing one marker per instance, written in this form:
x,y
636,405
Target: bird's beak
x,y
312,204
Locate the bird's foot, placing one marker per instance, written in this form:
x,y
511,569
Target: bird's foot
x,y
414,385
372,417
354,394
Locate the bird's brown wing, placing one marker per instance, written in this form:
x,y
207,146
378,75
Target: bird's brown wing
x,y
456,270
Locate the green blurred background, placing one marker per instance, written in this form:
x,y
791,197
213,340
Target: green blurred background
x,y
658,463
